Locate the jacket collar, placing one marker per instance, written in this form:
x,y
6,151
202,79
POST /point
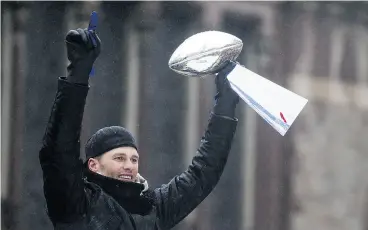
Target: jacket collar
x,y
134,197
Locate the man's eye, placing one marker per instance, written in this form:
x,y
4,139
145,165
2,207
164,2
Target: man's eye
x,y
119,158
135,160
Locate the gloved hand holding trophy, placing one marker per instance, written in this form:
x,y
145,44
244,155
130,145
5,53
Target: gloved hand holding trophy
x,y
208,52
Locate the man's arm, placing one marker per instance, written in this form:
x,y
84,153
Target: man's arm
x,y
60,153
185,192
175,200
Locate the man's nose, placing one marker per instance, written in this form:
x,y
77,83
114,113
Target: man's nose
x,y
128,165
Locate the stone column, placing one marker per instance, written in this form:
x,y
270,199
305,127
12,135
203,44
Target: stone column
x,y
44,64
14,70
274,152
7,100
162,92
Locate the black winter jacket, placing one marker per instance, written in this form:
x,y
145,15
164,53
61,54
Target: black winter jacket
x,y
79,199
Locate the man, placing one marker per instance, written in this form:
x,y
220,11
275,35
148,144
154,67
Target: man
x,y
106,191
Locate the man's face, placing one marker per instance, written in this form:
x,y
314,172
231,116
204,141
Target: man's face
x,y
120,163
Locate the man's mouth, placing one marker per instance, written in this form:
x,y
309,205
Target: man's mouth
x,y
126,177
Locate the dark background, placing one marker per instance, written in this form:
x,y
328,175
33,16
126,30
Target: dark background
x,y
313,178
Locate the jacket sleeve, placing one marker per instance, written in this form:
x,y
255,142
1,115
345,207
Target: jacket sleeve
x,y
175,200
59,156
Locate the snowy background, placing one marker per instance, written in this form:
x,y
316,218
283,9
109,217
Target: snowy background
x,y
315,177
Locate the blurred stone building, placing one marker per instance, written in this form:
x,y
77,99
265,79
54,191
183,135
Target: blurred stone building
x,y
313,178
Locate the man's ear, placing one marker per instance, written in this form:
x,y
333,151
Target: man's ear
x,y
93,164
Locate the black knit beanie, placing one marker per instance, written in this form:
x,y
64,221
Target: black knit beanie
x,y
107,139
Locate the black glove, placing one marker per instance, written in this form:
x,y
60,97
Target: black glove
x,y
82,53
226,99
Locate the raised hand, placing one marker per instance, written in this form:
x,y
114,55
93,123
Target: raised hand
x,y
226,99
83,47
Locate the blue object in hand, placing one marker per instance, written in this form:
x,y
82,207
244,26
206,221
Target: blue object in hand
x,y
93,20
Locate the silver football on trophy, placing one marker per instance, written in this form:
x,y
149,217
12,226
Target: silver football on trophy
x,y
205,53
